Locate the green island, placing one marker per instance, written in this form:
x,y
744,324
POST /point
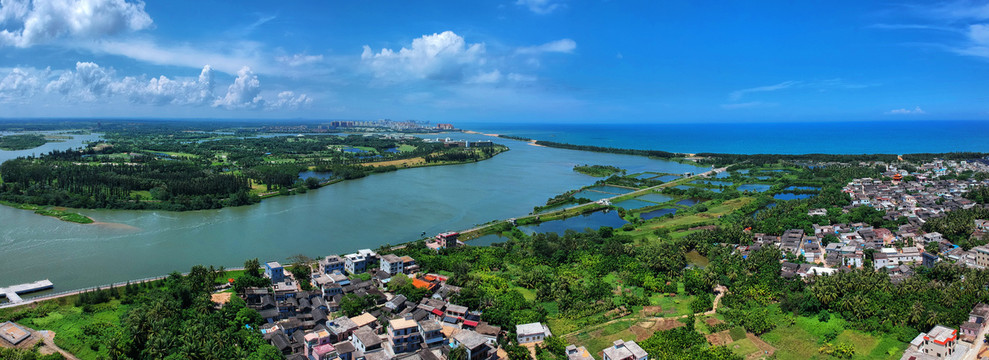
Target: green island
x,y
59,213
178,167
21,142
598,170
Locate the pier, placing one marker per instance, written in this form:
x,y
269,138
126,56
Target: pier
x,y
11,293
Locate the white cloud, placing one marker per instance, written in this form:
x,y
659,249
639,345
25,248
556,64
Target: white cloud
x,y
444,57
916,111
541,7
289,100
300,59
565,46
738,94
30,22
227,61
90,82
18,84
244,93
486,78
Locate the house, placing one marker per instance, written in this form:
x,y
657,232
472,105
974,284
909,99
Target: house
x,y
981,255
323,352
976,321
274,271
396,304
355,263
409,265
392,264
366,341
578,353
447,239
476,344
939,343
456,311
341,328
534,332
403,335
332,264
625,351
345,350
431,332
365,320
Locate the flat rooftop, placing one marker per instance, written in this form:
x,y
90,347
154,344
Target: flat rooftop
x,y
13,333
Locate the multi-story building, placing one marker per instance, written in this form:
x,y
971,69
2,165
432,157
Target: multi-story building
x,y
274,271
403,335
331,264
392,264
533,332
476,344
939,343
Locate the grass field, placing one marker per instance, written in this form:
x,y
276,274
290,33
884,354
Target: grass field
x,y
69,323
406,148
743,347
802,340
705,218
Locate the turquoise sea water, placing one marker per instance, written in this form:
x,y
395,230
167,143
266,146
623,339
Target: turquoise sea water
x,y
890,137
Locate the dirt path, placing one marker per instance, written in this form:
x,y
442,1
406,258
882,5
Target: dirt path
x,y
49,338
721,289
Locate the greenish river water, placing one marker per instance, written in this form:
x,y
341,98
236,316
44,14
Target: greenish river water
x,y
388,208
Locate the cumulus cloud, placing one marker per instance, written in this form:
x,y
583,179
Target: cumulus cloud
x,y
244,93
565,46
444,56
30,22
18,83
289,100
300,59
90,82
541,7
916,111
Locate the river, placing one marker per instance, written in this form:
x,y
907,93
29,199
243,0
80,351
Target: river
x,y
388,208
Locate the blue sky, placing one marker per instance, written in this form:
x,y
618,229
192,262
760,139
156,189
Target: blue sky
x,y
504,60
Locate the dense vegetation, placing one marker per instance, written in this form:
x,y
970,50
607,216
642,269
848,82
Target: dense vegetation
x,y
957,226
598,170
169,319
21,142
151,167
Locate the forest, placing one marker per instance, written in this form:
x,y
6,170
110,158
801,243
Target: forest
x,y
21,142
174,168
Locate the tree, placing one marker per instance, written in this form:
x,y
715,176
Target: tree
x,y
458,353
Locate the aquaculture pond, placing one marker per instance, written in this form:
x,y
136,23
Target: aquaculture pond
x,y
645,176
632,204
714,182
722,175
754,187
654,197
487,240
592,221
592,195
792,196
657,213
667,178
611,189
690,201
802,188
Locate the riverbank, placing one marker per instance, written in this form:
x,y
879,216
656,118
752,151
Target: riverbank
x,y
55,212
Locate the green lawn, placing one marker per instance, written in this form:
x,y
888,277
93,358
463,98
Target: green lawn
x,y
743,347
68,323
802,340
406,148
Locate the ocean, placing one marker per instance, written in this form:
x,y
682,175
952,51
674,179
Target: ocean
x,y
876,137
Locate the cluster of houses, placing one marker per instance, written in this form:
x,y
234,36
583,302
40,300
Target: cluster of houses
x,y
310,325
946,343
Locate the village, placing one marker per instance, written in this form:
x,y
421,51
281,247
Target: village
x,y
307,324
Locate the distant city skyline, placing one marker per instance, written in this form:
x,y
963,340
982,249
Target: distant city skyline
x,y
496,61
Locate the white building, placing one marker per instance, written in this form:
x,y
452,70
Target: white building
x,y
534,332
